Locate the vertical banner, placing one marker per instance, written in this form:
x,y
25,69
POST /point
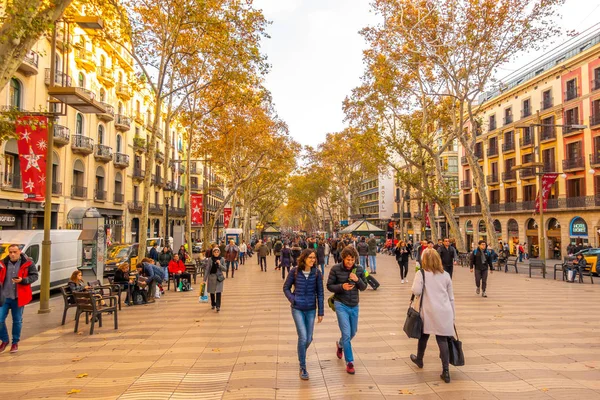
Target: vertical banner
x,y
32,145
226,217
427,221
196,206
547,182
386,194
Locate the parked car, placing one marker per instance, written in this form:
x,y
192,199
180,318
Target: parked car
x,y
118,254
591,256
197,248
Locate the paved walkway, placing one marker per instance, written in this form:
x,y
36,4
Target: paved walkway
x,y
531,339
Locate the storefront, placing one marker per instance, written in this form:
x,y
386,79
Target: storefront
x,y
513,235
26,216
531,231
578,231
481,231
554,242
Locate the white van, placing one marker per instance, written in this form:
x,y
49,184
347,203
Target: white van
x,y
66,253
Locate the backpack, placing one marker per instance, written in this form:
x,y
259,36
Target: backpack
x,y
185,285
139,297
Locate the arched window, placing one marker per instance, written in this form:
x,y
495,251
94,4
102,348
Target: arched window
x,y
81,80
99,192
79,124
15,93
100,134
119,144
78,189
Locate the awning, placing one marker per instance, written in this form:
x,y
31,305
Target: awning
x,y
76,214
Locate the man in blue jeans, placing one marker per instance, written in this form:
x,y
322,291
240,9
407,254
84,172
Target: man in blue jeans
x,y
372,243
17,273
345,280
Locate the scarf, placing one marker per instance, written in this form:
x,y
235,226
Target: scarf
x,y
214,268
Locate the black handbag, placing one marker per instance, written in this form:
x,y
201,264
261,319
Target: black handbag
x,y
413,326
457,357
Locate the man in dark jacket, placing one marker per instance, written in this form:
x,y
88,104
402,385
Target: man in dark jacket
x,y
153,254
363,252
448,255
372,243
17,273
263,251
147,271
164,258
345,280
481,261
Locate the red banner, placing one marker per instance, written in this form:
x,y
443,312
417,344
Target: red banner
x,y
547,182
226,217
33,144
427,222
196,209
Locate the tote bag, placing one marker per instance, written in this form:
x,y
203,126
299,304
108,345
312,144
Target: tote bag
x,y
457,357
413,325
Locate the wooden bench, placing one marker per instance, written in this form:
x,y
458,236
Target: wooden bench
x,y
537,264
89,303
511,261
69,302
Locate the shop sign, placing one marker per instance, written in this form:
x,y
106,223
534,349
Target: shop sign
x,y
7,220
579,227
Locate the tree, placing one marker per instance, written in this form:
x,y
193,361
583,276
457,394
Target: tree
x,y
463,42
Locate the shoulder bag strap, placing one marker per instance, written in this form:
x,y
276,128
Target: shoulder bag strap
x,y
456,332
423,292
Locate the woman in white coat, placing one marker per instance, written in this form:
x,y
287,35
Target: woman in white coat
x,y
438,308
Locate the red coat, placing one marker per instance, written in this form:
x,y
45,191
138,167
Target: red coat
x,y
28,272
176,267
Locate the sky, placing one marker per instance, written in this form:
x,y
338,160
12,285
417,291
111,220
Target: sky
x,y
315,51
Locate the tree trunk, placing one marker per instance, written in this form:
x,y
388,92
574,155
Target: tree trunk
x,y
186,194
454,228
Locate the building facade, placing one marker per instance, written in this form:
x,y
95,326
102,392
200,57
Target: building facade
x,y
549,115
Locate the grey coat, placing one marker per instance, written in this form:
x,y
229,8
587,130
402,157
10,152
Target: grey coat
x,y
438,303
214,286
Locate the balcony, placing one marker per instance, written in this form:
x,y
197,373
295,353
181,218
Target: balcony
x,y
177,211
155,208
107,116
492,179
60,78
81,99
548,133
526,112
62,135
595,159
84,59
468,210
194,187
106,76
122,123
581,202
82,145
139,118
138,174
118,198
160,133
169,185
527,173
79,191
595,84
464,161
594,119
496,207
159,156
139,145
509,176
571,94
158,180
508,119
547,103
123,91
466,184
12,181
135,206
103,153
526,141
478,153
573,164
569,129
57,188
180,189
492,151
100,195
549,166
508,146
29,65
121,160
180,168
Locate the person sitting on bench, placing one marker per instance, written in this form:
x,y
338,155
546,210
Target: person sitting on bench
x,y
177,268
578,266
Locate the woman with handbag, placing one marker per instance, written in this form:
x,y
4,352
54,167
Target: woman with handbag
x,y
437,311
214,277
306,298
401,252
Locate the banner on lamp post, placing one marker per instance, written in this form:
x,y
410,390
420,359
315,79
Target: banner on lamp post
x,y
427,221
226,217
547,182
32,145
196,207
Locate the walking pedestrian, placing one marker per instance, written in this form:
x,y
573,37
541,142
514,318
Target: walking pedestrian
x,y
363,252
372,243
327,252
448,255
164,258
437,312
277,250
231,257
306,298
153,254
402,253
263,251
286,260
214,278
345,280
243,250
321,256
481,260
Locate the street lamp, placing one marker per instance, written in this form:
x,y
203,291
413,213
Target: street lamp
x,y
539,165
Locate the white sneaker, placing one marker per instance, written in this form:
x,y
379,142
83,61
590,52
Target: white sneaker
x,y
402,281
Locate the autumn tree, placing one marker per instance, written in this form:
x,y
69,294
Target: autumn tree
x,y
463,42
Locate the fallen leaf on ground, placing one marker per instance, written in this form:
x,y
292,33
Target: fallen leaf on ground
x,y
76,359
73,391
82,375
406,391
544,389
216,350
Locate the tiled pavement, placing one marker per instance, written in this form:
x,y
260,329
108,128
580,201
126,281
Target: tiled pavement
x,y
530,339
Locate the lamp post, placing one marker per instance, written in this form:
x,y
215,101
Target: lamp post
x,y
539,165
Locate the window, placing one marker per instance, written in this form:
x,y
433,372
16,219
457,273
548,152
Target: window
x,y
33,252
508,164
79,124
119,144
510,195
595,109
494,196
547,99
78,171
156,198
81,80
574,150
571,92
529,193
494,169
548,129
508,116
527,158
99,180
549,160
572,116
100,134
136,193
467,200
596,81
575,188
526,112
15,93
509,141
492,122
453,165
120,108
102,94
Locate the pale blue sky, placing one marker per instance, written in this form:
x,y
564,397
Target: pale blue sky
x,y
316,54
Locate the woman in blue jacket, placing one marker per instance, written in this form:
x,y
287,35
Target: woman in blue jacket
x,y
306,298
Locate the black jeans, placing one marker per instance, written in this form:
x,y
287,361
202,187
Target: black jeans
x,y
277,259
283,268
442,342
481,276
215,300
403,269
184,275
449,269
263,259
